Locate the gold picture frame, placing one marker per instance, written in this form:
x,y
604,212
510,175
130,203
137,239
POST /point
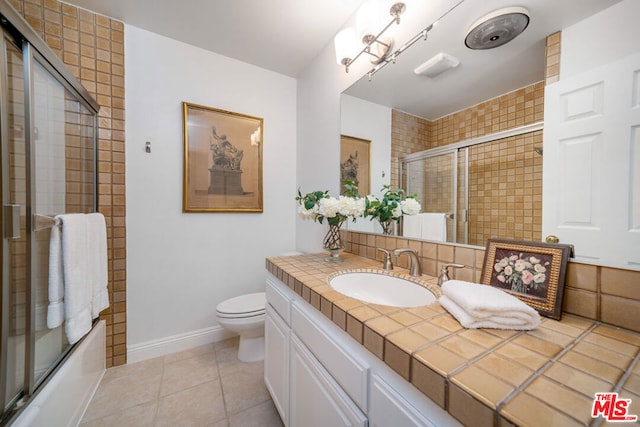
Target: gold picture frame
x,y
355,163
534,272
222,160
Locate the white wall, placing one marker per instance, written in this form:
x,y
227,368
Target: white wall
x,y
605,37
180,266
366,120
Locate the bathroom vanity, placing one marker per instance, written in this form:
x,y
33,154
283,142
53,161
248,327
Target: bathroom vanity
x,y
334,360
319,376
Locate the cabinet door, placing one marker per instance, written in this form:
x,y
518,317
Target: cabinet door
x,y
316,399
389,408
276,361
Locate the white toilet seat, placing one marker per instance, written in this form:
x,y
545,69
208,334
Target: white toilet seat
x,y
243,306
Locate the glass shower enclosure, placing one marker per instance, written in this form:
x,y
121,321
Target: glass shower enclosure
x,y
48,140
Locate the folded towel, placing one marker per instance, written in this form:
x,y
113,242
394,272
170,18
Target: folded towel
x,y
482,306
55,310
98,272
75,259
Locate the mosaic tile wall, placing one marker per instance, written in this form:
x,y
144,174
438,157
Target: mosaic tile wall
x,y
92,46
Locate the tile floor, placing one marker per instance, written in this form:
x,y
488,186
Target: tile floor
x,y
204,386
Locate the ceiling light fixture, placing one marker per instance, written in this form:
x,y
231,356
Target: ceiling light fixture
x,y
375,45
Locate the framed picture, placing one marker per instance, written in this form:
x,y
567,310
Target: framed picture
x,y
534,272
355,163
222,160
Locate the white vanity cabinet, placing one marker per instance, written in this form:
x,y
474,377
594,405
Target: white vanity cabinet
x,y
318,375
316,398
276,361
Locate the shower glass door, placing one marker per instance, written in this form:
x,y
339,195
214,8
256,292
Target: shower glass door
x,y
434,180
48,155
14,249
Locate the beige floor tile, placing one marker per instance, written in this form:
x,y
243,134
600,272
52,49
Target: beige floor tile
x,y
122,392
262,415
186,373
187,354
198,406
144,369
140,415
242,385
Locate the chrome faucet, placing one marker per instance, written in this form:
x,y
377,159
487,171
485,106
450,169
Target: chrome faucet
x,y
387,264
444,272
414,265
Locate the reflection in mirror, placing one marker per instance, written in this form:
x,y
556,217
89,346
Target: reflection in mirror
x,y
468,142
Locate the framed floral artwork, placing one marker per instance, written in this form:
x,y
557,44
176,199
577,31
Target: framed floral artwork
x,y
355,163
222,160
534,272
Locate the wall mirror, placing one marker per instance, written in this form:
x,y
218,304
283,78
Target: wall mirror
x,y
467,159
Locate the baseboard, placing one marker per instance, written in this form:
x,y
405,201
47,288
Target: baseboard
x,y
176,343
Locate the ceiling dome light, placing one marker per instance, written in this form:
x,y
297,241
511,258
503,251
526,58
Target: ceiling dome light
x,y
497,28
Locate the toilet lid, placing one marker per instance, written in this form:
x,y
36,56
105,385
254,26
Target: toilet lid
x,y
249,304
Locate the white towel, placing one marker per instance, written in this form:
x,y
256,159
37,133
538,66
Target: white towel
x,y
55,311
98,271
412,226
78,273
483,306
434,226
75,259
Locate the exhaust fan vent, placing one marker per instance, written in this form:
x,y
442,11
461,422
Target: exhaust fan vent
x,y
497,28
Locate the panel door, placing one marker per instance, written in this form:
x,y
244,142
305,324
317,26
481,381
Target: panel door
x,y
591,163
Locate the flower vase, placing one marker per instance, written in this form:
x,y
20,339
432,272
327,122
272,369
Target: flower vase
x,y
387,227
332,242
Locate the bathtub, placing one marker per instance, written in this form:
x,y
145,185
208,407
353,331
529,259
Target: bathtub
x,y
66,395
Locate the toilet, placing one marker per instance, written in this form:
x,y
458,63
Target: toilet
x,y
245,316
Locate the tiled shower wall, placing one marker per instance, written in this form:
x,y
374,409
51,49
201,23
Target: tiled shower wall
x,y
92,46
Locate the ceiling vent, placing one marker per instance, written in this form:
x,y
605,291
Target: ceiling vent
x,y
437,65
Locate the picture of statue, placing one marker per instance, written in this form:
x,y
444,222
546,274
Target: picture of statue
x,y
349,169
225,155
223,160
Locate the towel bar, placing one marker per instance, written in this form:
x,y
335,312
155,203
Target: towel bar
x,y
42,222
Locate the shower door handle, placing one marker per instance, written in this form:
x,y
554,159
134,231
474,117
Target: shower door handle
x,y
11,220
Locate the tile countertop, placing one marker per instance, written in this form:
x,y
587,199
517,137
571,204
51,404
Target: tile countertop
x,y
547,376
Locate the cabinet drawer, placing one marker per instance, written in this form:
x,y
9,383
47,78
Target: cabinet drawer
x,y
279,296
350,372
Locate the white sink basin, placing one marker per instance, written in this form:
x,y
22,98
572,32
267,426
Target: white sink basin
x,y
382,289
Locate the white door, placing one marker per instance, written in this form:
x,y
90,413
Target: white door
x,y
316,399
591,166
276,361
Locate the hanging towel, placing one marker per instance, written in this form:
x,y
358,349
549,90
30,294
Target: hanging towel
x,y
412,226
75,260
98,272
55,311
482,306
434,226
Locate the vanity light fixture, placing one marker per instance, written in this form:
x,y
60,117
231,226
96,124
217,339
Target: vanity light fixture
x,y
375,45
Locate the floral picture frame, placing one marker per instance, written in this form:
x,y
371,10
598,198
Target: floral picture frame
x,y
534,272
222,160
